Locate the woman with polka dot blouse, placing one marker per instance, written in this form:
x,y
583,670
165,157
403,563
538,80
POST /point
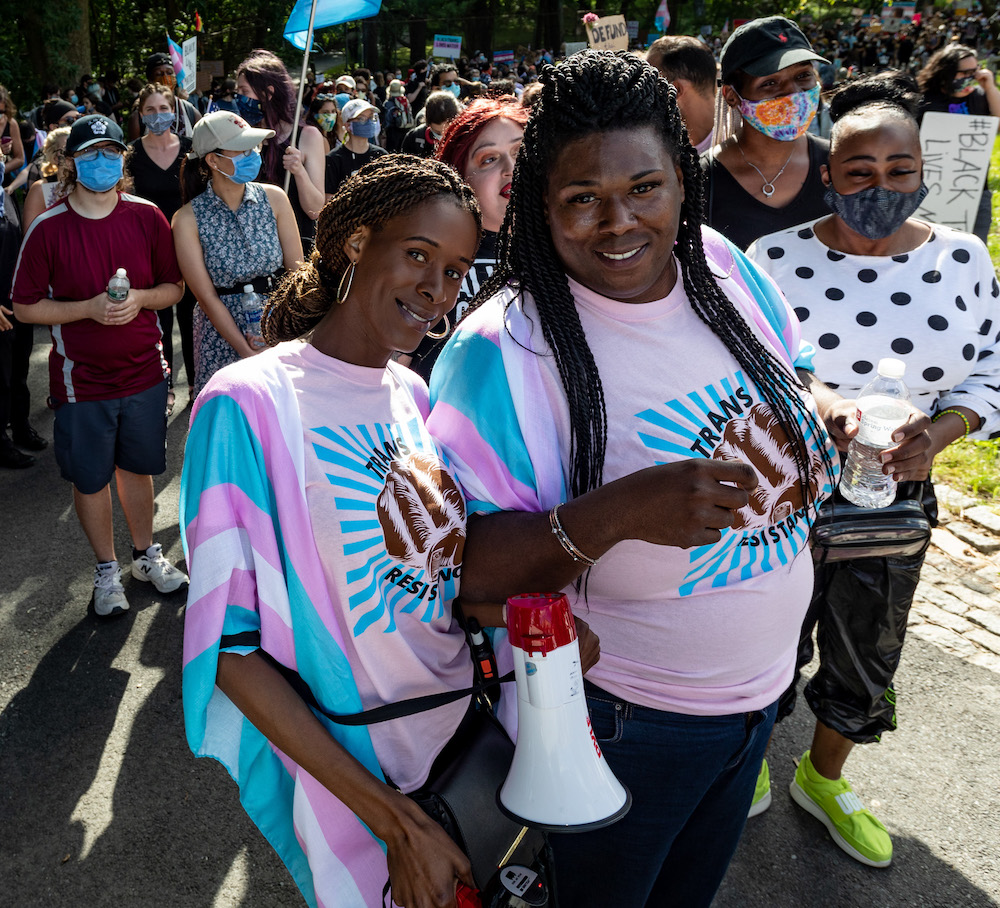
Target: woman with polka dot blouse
x,y
871,281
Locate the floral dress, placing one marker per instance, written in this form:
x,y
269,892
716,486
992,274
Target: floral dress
x,y
238,246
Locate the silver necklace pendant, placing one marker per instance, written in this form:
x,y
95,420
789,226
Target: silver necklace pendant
x,y
768,190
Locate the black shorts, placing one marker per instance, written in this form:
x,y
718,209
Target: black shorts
x,y
92,437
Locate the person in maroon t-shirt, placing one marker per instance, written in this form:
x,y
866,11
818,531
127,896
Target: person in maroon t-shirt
x,y
108,383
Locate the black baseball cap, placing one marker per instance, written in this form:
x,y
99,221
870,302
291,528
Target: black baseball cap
x,y
92,130
155,61
763,46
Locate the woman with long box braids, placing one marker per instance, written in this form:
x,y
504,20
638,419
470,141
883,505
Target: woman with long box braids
x,y
622,410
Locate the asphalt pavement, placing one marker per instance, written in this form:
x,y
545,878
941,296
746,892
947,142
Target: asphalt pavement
x,y
102,803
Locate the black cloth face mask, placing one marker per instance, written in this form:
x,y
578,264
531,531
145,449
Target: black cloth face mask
x,y
875,212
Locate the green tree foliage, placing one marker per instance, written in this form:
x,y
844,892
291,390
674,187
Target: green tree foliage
x,y
44,42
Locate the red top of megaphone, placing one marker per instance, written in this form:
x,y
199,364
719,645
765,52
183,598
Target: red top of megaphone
x,y
540,622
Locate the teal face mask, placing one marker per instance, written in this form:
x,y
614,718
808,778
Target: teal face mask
x,y
100,170
246,166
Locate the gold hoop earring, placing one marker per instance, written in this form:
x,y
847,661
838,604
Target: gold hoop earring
x,y
443,334
342,294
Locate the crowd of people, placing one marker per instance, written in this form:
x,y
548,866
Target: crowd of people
x,y
596,326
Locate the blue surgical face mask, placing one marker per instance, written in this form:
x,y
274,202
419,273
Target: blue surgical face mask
x,y
158,123
249,109
454,88
364,129
245,167
100,173
73,99
876,212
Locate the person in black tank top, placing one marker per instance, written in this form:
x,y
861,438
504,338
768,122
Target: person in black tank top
x,y
265,96
765,172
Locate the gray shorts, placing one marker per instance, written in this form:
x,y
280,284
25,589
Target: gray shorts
x,y
92,437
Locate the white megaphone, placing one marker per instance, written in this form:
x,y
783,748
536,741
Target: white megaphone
x,y
558,780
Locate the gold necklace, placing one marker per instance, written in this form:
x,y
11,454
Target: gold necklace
x,y
768,187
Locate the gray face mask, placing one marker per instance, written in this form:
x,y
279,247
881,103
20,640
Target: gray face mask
x,y
876,212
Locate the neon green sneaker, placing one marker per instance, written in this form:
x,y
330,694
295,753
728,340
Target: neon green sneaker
x,y
853,827
762,793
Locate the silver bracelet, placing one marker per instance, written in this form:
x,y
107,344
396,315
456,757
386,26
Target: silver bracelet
x,y
565,541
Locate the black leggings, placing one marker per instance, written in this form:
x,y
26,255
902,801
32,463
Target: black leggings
x,y
185,323
859,609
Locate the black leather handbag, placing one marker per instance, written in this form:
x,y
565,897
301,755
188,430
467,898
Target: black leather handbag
x,y
844,531
461,796
461,790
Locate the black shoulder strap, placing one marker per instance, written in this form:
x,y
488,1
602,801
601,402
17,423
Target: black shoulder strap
x,y
372,716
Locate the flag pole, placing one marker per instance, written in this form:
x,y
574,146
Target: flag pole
x,y
302,87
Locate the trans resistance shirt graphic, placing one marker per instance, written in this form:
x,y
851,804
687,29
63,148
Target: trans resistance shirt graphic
x,y
728,421
401,521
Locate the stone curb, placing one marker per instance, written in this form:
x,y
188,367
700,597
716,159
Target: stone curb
x,y
957,603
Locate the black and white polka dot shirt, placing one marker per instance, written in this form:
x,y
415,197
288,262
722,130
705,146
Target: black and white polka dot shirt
x,y
937,308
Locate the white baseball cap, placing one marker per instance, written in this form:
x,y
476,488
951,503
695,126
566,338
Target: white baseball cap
x,y
225,131
355,108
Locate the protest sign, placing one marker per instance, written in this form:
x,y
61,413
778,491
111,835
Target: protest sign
x,y
633,28
897,14
574,47
608,33
956,150
448,46
503,56
190,64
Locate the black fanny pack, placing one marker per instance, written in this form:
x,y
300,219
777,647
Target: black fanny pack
x,y
844,531
265,283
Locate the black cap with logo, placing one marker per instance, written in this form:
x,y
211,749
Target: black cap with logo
x,y
92,130
763,46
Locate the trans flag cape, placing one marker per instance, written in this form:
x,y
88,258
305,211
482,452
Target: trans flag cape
x,y
532,478
243,503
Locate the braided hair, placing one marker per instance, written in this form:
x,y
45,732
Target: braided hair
x,y
603,91
390,186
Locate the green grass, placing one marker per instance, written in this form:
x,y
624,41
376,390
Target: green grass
x,y
973,467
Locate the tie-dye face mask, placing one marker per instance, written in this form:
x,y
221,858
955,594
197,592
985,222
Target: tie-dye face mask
x,y
785,118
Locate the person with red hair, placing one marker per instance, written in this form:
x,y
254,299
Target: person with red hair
x,y
481,143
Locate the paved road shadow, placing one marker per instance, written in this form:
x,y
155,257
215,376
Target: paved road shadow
x,y
932,781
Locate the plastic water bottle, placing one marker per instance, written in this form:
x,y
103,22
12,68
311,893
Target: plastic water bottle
x,y
882,409
119,286
253,309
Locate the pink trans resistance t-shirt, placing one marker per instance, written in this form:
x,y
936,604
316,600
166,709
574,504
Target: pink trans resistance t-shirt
x,y
710,630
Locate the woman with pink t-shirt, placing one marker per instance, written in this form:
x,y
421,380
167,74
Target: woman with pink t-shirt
x,y
623,413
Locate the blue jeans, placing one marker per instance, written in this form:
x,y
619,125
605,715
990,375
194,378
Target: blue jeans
x,y
692,780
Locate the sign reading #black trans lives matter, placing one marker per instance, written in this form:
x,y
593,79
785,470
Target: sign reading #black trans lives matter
x,y
956,150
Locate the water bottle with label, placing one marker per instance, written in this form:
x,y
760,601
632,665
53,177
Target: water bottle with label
x,y
119,286
882,409
253,310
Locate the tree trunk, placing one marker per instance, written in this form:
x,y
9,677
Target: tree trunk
x,y
369,28
479,36
548,29
418,40
78,41
30,26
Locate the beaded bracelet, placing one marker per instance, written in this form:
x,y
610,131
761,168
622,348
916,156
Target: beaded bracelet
x,y
565,541
960,415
